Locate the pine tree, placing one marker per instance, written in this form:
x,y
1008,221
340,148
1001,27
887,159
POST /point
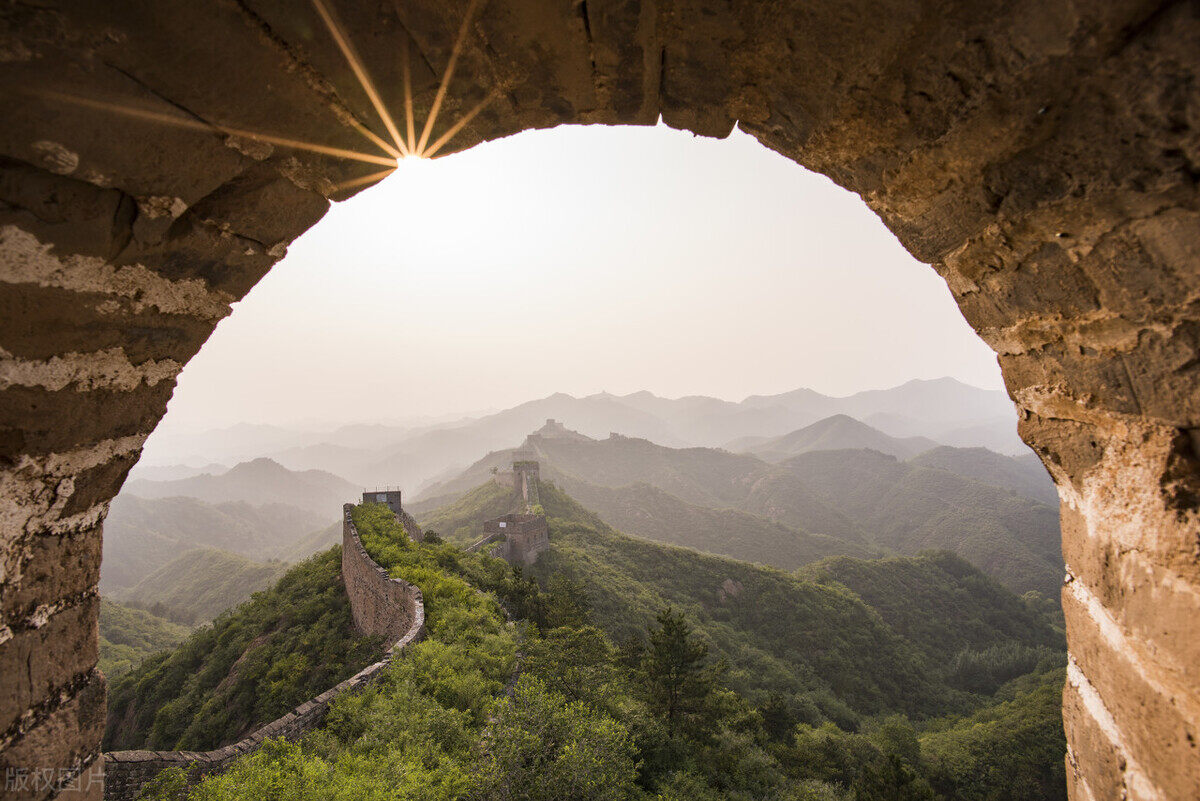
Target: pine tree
x,y
677,680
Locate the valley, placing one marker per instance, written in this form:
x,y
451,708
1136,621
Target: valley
x,y
868,613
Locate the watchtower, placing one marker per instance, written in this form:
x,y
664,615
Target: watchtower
x,y
525,536
390,497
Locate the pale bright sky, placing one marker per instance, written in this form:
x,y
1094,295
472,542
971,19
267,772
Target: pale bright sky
x,y
578,260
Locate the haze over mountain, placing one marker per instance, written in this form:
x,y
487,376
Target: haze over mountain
x,y
845,501
143,534
257,482
200,584
838,432
944,410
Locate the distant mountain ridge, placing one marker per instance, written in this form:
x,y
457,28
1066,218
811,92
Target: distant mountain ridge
x,y
200,584
143,534
839,432
259,481
986,507
943,410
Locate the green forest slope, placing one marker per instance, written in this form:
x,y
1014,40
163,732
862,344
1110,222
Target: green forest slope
x,y
127,636
985,507
645,511
655,715
141,534
248,667
200,584
909,508
782,632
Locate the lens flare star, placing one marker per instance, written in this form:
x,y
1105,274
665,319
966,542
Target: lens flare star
x,y
402,148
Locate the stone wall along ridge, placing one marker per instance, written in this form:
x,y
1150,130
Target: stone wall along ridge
x,y
381,606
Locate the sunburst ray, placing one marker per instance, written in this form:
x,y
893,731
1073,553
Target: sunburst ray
x,y
197,125
446,76
363,179
458,126
406,72
360,72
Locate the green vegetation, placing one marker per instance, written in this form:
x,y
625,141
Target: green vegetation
x,y
251,665
910,508
142,535
461,522
972,610
985,507
649,673
201,584
818,642
1012,749
645,511
127,636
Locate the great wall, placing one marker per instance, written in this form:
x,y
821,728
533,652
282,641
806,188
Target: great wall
x,y
1040,156
519,536
382,606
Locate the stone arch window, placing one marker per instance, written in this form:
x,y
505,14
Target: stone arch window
x,y
1042,156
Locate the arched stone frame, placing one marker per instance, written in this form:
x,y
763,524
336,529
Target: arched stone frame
x,y
1042,155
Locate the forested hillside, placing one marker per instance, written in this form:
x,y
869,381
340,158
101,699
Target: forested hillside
x,y
908,508
981,505
621,696
200,584
249,666
1024,475
785,633
142,535
650,513
128,635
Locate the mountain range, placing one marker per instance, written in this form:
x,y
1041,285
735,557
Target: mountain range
x,y
142,535
200,584
991,509
260,481
943,410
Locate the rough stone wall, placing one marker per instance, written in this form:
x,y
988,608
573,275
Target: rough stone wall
x,y
382,606
525,536
411,527
1042,155
373,596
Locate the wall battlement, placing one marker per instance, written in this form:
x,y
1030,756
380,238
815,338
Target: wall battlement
x,y
381,606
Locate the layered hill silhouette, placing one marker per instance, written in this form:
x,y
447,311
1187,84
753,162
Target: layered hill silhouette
x,y
142,535
839,432
909,507
986,507
256,482
200,584
943,410
888,630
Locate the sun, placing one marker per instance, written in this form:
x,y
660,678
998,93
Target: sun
x,y
399,151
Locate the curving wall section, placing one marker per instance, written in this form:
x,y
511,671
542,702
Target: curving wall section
x,y
1041,155
382,606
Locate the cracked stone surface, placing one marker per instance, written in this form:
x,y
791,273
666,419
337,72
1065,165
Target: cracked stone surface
x,y
1043,156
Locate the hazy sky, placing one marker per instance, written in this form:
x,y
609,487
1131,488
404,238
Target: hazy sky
x,y
578,260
